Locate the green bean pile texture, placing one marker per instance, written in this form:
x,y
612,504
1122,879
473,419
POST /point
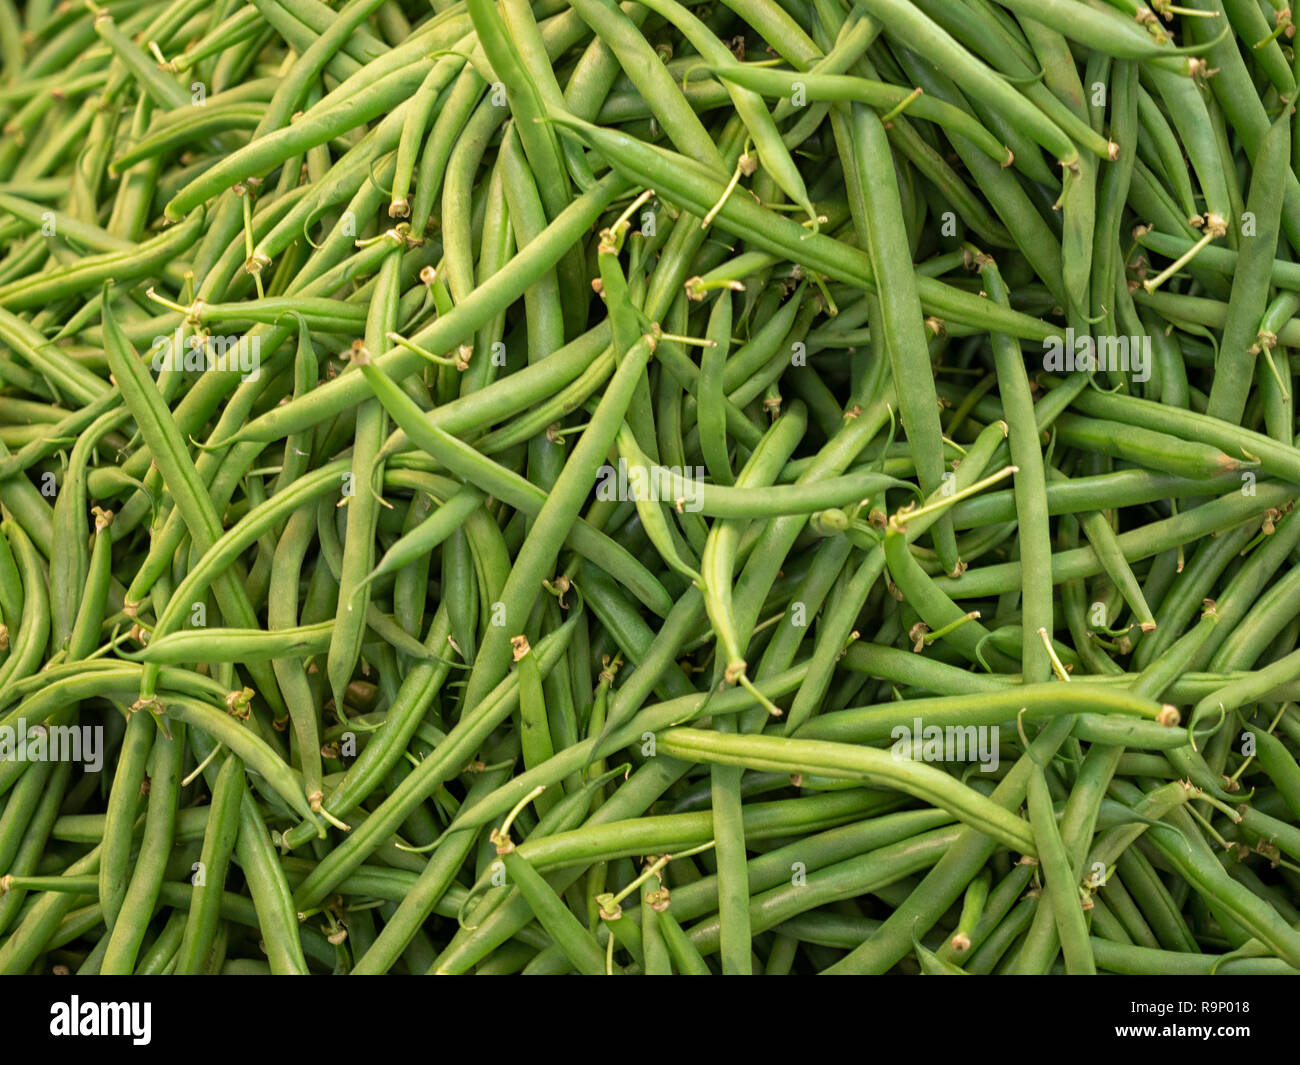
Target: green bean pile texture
x,y
569,486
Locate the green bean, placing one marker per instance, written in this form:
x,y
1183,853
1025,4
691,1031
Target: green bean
x,y
1224,260
879,95
1159,146
127,936
1190,115
94,270
870,871
89,619
1279,765
771,151
1152,539
433,883
733,875
1030,487
534,723
263,154
418,689
953,872
717,563
916,30
27,824
997,905
363,502
1207,876
42,920
244,744
14,821
1244,645
1121,488
677,178
28,645
1126,732
901,320
1250,279
513,914
282,611
577,943
124,799
1117,958
1062,891
972,910
171,457
829,759
451,755
626,725
449,330
1032,701
276,917
686,957
218,843
1149,449
711,392
237,645
938,611
1104,542
621,35
655,950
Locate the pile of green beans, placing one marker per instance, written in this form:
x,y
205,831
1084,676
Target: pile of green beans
x,y
746,486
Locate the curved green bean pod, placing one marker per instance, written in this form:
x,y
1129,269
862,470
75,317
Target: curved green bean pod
x,y
850,763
